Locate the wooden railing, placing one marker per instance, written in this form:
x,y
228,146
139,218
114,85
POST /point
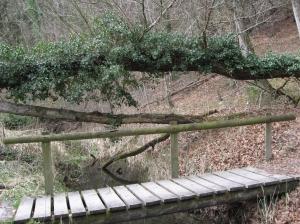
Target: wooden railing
x,y
173,129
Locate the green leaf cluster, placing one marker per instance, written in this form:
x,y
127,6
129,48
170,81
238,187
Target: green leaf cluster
x,y
100,67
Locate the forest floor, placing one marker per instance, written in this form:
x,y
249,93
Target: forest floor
x,y
229,148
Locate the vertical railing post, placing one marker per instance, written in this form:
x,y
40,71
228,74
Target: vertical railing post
x,y
268,140
47,164
174,152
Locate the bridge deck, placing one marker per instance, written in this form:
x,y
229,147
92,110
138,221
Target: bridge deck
x,y
136,201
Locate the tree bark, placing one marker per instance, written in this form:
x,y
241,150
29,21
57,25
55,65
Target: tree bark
x,y
97,117
135,152
296,10
243,36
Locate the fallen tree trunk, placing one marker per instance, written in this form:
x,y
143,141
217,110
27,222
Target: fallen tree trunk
x,y
124,155
97,117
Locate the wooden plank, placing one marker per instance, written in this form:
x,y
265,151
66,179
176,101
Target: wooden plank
x,y
143,195
60,206
42,209
215,187
130,200
92,201
76,205
164,195
296,176
280,177
192,186
24,210
111,199
229,185
249,183
254,176
180,191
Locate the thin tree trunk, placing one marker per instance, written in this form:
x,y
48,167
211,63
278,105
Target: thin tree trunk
x,y
296,10
243,37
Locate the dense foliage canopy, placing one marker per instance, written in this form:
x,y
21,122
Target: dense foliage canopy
x,y
105,62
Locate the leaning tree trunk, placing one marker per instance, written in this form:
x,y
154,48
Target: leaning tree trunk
x,y
246,45
296,10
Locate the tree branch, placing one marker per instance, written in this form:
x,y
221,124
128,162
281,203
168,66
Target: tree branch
x,y
119,156
97,117
157,19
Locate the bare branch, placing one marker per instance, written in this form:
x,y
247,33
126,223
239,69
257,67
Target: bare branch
x,y
135,152
158,18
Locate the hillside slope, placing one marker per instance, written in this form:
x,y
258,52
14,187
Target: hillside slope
x,y
213,150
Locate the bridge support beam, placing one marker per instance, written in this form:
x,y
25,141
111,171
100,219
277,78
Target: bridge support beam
x,y
174,152
47,158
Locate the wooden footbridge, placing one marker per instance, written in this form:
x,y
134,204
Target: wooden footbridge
x,y
137,201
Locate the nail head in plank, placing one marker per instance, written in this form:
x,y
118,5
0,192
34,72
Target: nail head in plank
x,y
60,206
111,199
42,209
215,187
143,195
280,177
193,186
230,185
254,176
76,205
93,202
162,193
24,210
249,183
130,200
180,191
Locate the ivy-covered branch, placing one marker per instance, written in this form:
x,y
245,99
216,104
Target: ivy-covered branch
x,y
70,69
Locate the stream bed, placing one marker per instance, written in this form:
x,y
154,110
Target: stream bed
x,y
118,173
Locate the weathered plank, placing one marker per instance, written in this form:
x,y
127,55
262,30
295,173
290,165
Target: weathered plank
x,y
143,195
215,187
280,177
180,191
42,209
76,205
229,185
249,183
60,206
187,205
164,195
296,176
92,201
193,186
264,179
111,199
130,200
24,210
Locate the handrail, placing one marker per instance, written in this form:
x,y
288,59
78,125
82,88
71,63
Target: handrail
x,y
152,130
173,129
